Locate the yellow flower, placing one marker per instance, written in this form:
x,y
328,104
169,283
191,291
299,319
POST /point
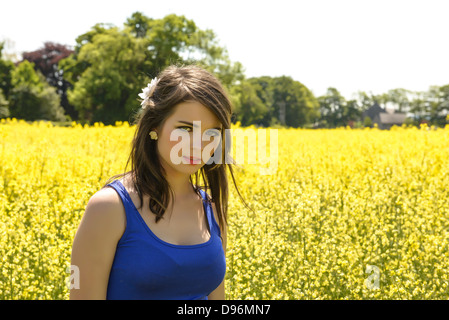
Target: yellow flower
x,y
340,200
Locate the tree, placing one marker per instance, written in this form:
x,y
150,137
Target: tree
x,y
352,112
418,106
139,24
249,108
431,106
367,122
46,60
107,89
276,101
332,108
4,110
25,75
174,39
6,68
443,116
438,104
264,89
110,65
365,100
32,98
337,112
400,99
296,105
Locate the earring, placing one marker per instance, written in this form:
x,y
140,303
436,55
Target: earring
x,y
153,135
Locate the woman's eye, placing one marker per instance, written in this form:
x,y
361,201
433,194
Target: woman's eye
x,y
185,128
213,133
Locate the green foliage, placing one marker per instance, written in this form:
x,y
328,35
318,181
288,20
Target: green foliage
x,y
301,107
248,106
25,74
32,98
275,101
169,38
50,106
4,110
45,61
437,107
336,111
139,24
331,107
107,89
111,65
24,102
367,122
6,68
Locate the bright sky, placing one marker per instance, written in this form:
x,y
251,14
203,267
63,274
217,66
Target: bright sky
x,y
352,45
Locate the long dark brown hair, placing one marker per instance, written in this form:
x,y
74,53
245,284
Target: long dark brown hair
x,y
178,84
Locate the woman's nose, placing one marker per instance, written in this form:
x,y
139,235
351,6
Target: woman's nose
x,y
197,142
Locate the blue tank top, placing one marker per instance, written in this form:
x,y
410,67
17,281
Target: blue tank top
x,y
147,268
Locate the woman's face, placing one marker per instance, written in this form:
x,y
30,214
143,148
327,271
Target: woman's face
x,y
188,138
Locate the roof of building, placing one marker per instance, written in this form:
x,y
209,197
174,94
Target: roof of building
x,y
373,111
391,118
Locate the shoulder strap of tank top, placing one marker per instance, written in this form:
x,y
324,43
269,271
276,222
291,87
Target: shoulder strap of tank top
x,y
213,225
126,200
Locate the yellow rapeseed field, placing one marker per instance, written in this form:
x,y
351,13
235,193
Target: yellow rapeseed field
x,y
349,214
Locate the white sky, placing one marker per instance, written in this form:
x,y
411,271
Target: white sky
x,y
351,45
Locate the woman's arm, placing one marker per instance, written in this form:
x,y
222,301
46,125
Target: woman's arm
x,y
93,250
219,292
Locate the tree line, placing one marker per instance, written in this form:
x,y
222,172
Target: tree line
x,y
98,80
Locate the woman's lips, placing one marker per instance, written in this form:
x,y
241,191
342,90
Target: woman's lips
x,y
193,160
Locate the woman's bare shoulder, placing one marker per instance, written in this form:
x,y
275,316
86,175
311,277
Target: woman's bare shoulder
x,y
105,212
105,198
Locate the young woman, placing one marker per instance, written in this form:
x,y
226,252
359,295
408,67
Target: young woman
x,y
155,233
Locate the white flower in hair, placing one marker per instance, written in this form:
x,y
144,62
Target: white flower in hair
x,y
147,93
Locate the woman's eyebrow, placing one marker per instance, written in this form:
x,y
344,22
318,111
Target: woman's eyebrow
x,y
191,124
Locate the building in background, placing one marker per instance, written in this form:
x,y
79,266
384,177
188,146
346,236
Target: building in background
x,y
384,119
